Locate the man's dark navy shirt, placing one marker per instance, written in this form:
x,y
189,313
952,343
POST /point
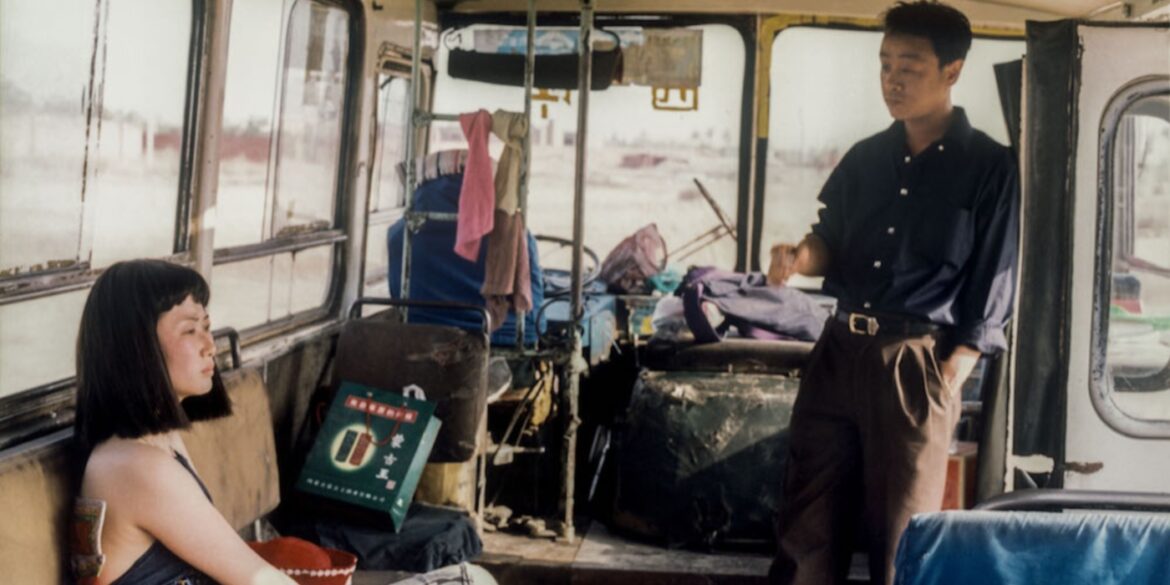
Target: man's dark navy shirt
x,y
929,237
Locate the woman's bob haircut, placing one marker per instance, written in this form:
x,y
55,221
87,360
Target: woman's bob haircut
x,y
122,384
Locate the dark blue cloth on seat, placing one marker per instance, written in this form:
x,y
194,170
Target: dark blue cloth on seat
x,y
431,538
969,548
437,273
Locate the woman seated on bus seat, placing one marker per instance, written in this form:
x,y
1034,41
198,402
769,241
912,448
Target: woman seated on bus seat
x,y
145,368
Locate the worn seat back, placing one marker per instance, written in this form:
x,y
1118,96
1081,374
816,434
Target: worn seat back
x,y
449,364
235,457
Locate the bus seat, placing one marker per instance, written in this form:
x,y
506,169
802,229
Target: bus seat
x,y
970,547
437,273
36,480
449,363
235,457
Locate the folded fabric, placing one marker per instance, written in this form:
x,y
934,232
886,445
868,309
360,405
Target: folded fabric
x,y
431,538
507,282
478,196
746,302
511,128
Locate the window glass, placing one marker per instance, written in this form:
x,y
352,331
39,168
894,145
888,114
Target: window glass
x,y
91,125
386,192
253,292
91,114
283,112
641,160
240,293
376,283
1138,329
253,67
311,109
393,105
825,96
37,341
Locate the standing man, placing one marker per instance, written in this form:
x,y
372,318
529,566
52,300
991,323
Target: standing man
x,y
917,241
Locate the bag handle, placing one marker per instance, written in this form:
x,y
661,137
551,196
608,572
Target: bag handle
x,y
415,392
411,391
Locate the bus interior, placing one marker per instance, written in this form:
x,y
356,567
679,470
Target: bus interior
x,y
299,155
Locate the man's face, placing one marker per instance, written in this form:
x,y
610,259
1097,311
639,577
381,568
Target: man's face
x,y
913,84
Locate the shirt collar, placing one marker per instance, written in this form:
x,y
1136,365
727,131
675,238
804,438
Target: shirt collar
x,y
958,134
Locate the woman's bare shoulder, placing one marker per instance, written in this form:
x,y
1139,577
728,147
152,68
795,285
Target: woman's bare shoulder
x,y
121,468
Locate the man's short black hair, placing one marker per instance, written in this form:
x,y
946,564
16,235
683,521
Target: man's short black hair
x,y
948,29
123,388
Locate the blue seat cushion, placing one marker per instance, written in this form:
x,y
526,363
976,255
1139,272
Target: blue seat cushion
x,y
437,273
969,548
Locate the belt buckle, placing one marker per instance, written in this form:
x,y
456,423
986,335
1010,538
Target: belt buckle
x,y
871,324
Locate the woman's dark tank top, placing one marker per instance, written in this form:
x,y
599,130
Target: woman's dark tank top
x,y
158,565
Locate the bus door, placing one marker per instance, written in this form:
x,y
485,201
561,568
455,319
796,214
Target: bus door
x,y
1090,405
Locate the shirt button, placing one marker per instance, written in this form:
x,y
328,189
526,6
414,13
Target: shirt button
x,y
890,230
904,192
877,263
866,305
907,159
940,148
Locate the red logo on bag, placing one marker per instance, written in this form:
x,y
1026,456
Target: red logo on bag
x,y
375,408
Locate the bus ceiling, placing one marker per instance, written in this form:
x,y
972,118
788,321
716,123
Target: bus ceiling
x,y
985,12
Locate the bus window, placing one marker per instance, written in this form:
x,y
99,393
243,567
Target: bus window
x,y
1136,328
280,161
248,110
92,109
825,96
642,159
387,199
296,286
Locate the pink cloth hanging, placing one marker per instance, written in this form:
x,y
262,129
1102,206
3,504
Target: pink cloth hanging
x,y
477,197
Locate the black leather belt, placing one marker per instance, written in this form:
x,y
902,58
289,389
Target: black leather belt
x,y
863,324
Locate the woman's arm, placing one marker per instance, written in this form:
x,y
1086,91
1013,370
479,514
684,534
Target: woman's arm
x,y
167,503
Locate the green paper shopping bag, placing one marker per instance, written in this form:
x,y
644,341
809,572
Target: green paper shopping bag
x,y
371,449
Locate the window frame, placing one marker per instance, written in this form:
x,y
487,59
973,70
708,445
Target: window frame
x,y
47,407
52,281
770,30
335,235
1101,386
392,65
749,32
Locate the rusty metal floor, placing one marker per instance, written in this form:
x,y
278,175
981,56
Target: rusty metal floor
x,y
604,558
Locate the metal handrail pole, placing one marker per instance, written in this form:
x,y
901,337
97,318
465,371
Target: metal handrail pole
x,y
576,361
526,159
411,148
